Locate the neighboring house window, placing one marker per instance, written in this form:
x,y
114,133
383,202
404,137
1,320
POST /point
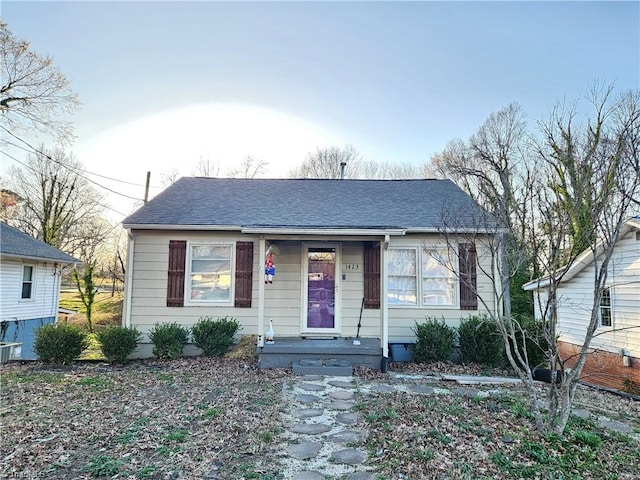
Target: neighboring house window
x,y
208,273
402,287
27,281
209,278
605,308
438,278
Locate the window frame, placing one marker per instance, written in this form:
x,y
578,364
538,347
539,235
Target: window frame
x,y
609,307
188,275
420,252
31,296
454,275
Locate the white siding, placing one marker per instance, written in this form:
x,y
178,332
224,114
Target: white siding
x,y
45,291
283,297
575,300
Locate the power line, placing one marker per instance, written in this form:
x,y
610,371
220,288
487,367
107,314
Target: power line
x,y
64,166
35,171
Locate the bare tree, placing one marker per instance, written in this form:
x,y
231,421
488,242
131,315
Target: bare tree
x,y
169,177
608,186
327,163
58,205
206,167
388,170
34,94
250,167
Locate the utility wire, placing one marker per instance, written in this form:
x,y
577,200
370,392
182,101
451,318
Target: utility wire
x,y
65,166
35,171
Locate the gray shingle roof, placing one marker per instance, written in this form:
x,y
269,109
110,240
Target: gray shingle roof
x,y
18,244
310,203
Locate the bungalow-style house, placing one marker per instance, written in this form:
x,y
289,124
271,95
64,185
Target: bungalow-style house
x,y
30,276
325,260
615,349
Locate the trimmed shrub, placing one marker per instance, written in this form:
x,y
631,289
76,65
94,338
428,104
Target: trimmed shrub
x,y
435,340
480,341
60,343
117,343
215,337
535,343
168,339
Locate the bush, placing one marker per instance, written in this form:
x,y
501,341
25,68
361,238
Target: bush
x,y
435,340
215,337
168,339
480,341
535,343
117,343
60,343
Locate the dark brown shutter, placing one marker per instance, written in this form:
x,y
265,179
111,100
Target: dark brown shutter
x,y
468,276
244,274
372,275
175,281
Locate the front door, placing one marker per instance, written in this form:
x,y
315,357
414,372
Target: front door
x,y
321,310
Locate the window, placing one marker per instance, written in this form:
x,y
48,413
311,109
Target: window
x,y
27,281
209,277
402,288
438,278
435,283
605,308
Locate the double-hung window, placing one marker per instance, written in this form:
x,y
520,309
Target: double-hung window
x,y
402,287
27,282
606,319
209,278
438,278
422,277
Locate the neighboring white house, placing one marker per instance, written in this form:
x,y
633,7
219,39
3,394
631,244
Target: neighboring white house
x,y
344,251
30,275
616,346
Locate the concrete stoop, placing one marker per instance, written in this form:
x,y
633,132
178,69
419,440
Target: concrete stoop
x,y
330,367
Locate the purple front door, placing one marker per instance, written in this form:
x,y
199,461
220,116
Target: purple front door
x,y
321,283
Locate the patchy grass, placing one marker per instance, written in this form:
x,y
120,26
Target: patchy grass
x,y
107,309
196,418
492,437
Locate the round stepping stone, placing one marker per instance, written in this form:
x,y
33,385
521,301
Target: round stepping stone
x,y
308,412
340,406
348,456
341,395
310,475
422,389
341,384
360,476
306,398
348,436
311,387
310,428
346,418
305,450
382,389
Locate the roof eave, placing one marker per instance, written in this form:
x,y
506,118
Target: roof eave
x,y
17,256
324,231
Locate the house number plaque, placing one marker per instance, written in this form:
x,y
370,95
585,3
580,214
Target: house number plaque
x,y
351,267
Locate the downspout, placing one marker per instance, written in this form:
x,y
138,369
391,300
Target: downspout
x,y
126,320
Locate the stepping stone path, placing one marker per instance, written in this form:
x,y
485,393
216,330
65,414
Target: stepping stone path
x,y
323,436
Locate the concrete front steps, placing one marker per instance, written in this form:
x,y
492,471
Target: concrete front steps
x,y
332,367
336,353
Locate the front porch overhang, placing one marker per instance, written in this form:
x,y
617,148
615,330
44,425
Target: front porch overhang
x,y
317,231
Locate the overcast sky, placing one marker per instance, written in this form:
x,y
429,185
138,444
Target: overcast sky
x,y
165,83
